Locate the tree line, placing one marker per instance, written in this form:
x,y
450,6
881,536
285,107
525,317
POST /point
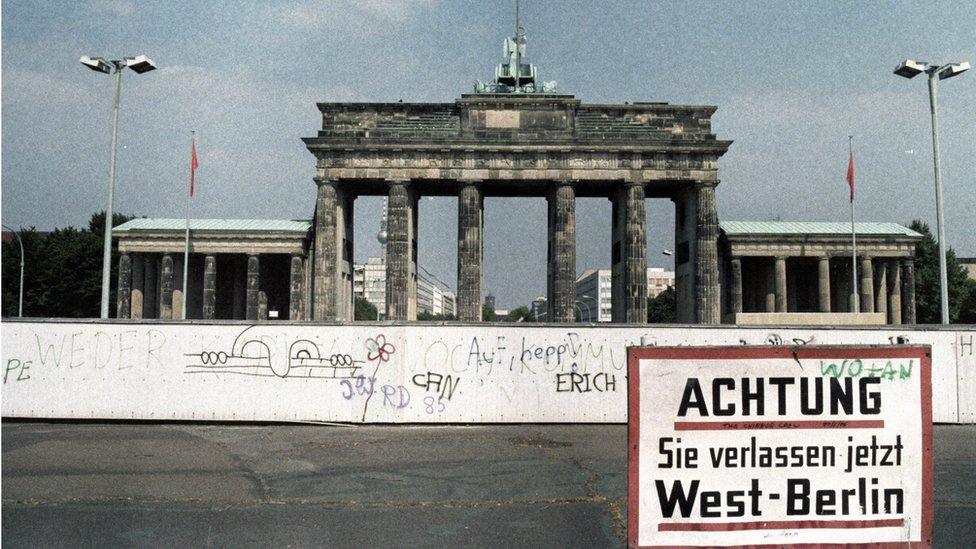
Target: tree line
x,y
62,270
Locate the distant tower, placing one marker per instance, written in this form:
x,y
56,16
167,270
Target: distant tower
x,y
383,236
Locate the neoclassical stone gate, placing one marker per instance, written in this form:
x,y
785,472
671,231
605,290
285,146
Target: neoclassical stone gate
x,y
518,145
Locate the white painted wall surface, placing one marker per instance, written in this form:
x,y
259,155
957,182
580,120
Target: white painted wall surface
x,y
285,372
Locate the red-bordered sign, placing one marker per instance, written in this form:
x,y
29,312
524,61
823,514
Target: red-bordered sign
x,y
760,446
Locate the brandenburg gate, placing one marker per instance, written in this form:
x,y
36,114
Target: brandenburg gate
x,y
515,138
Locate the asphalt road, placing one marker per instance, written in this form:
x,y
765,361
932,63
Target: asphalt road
x,y
198,485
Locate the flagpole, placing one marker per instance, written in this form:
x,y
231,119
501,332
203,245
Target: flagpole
x,y
857,297
186,245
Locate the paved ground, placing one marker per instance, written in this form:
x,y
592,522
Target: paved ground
x,y
191,485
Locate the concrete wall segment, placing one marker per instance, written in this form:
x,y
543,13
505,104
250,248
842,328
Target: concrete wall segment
x,y
386,372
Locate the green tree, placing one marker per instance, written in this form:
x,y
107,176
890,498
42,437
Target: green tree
x,y
967,311
488,314
62,272
928,308
431,317
663,309
10,255
520,314
70,277
96,224
364,309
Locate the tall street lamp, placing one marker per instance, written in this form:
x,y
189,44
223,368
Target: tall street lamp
x,y
139,64
909,69
20,301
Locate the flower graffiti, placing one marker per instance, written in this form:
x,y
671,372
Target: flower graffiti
x,y
379,349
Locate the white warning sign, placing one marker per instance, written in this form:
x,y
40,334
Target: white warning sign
x,y
779,446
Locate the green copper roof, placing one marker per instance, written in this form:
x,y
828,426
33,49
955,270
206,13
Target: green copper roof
x,y
246,225
742,228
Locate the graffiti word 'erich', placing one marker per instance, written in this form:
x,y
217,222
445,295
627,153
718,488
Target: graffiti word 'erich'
x,y
584,383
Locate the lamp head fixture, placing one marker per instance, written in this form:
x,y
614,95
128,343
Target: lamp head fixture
x,y
910,68
954,69
140,64
96,64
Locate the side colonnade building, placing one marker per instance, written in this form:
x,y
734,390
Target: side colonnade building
x,y
776,269
251,269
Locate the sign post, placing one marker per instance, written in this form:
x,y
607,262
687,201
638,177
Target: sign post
x,y
779,446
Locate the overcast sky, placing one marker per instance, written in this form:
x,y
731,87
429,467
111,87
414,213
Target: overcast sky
x,y
791,81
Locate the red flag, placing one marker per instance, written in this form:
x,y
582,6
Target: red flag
x,y
850,174
193,165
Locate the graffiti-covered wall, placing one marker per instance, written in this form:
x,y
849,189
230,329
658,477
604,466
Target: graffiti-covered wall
x,y
391,373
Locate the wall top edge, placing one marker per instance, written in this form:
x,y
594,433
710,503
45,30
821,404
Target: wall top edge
x,y
507,325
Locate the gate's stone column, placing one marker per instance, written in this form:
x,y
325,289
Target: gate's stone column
x,y
736,293
707,302
166,288
307,301
401,252
908,291
326,252
866,282
333,262
209,287
823,281
138,282
470,255
562,252
345,202
296,278
894,292
253,287
629,255
684,255
124,292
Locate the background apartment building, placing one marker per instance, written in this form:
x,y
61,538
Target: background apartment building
x,y
369,282
593,299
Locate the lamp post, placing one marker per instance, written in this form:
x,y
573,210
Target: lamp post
x,y
20,300
578,309
139,64
589,312
909,69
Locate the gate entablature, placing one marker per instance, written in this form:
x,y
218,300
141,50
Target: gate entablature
x,y
496,138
